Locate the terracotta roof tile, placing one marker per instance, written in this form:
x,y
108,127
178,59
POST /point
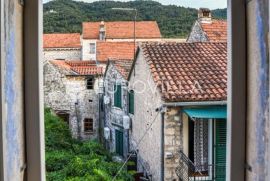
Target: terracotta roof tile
x,y
115,50
123,67
69,40
216,30
79,67
199,73
122,30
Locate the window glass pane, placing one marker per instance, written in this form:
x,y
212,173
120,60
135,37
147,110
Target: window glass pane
x,y
92,48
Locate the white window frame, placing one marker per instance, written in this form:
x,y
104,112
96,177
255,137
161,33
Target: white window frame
x,y
92,48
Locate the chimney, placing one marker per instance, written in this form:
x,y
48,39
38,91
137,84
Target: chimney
x,y
102,31
205,15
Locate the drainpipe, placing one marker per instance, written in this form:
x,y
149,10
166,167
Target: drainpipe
x,y
205,103
162,145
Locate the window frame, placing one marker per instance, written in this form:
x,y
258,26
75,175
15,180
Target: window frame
x,y
93,83
91,122
92,48
33,91
115,92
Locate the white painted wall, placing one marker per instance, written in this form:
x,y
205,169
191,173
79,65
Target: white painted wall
x,y
86,50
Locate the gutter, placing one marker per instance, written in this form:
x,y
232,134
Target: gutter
x,y
206,103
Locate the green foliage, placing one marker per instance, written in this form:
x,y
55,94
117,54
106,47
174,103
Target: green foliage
x,y
67,15
71,160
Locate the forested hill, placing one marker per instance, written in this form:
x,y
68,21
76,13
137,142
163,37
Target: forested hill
x,y
67,15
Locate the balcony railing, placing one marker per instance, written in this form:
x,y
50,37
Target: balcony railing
x,y
187,171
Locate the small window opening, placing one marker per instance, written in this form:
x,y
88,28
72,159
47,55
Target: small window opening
x,y
90,83
64,117
88,125
92,48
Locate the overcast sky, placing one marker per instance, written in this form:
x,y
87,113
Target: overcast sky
x,y
212,4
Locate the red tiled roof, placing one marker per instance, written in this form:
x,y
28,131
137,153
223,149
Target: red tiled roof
x,y
123,67
55,40
216,30
114,50
79,67
122,30
187,72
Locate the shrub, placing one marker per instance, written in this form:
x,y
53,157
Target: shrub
x,y
71,160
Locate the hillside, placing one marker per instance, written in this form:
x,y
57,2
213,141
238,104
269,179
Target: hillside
x,y
67,15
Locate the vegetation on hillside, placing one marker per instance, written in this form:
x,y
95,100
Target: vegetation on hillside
x,y
71,160
67,15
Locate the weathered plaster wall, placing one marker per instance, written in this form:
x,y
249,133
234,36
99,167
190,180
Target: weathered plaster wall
x,y
69,94
113,115
147,100
12,117
197,34
258,127
66,54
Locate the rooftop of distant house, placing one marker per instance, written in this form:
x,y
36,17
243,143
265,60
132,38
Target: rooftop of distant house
x,y
215,30
62,40
122,66
79,67
122,30
114,50
188,72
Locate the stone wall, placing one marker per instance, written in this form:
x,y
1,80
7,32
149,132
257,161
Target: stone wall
x,y
66,54
114,115
68,94
147,100
173,141
197,34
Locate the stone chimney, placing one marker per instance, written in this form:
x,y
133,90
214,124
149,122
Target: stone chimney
x,y
205,15
102,31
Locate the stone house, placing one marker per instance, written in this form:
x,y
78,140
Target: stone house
x,y
116,98
208,29
179,122
71,89
98,34
65,46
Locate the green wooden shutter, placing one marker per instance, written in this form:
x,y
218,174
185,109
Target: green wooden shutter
x,y
118,96
119,141
119,90
115,94
131,102
220,157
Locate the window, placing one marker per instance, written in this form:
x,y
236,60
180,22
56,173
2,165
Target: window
x,y
131,102
92,48
64,117
119,142
198,143
118,96
90,83
88,125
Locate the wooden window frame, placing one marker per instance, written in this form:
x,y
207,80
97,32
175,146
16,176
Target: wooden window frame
x,y
91,122
33,78
34,112
237,88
